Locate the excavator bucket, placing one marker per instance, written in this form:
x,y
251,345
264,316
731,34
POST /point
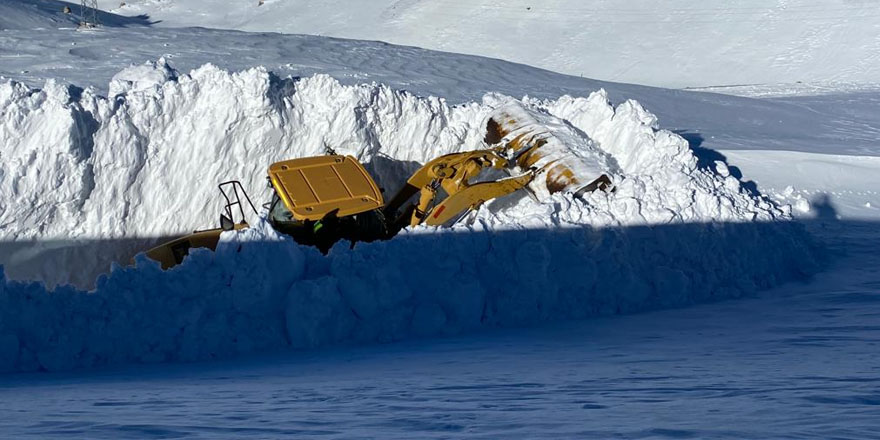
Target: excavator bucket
x,y
536,144
472,196
172,253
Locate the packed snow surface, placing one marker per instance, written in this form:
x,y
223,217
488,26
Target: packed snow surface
x,y
144,162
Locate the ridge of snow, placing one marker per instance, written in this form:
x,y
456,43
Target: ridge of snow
x,y
261,291
144,163
118,165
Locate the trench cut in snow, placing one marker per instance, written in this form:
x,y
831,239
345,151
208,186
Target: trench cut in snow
x,y
145,161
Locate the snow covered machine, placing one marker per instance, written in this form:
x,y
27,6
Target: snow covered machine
x,y
321,200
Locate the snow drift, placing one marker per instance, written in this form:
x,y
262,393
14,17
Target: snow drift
x,y
260,291
144,162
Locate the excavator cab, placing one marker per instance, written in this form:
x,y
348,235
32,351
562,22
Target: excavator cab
x,y
321,200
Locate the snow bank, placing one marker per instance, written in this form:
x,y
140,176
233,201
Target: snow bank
x,y
145,162
260,291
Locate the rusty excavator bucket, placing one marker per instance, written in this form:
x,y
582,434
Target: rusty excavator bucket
x,y
535,142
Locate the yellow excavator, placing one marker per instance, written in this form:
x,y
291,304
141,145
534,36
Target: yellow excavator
x,y
321,200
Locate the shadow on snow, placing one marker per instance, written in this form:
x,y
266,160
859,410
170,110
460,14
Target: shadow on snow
x,y
258,296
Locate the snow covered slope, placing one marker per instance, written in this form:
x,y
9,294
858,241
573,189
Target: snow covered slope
x,y
675,43
833,187
49,14
18,14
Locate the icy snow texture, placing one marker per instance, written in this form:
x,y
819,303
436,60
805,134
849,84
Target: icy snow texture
x,y
144,163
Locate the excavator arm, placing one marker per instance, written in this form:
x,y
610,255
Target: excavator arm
x,y
451,173
472,196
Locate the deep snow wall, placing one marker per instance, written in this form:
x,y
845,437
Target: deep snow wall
x,y
260,291
144,162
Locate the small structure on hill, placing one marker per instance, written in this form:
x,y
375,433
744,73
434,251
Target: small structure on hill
x,y
88,14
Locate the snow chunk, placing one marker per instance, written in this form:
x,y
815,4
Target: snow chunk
x,y
150,75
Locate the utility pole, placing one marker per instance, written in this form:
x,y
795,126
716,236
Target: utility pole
x,y
88,14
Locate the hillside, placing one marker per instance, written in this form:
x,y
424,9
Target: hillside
x,y
675,43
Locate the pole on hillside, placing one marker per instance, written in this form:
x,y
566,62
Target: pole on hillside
x,y
88,14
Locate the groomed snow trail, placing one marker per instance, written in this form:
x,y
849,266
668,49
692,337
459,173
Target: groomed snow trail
x,y
144,162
